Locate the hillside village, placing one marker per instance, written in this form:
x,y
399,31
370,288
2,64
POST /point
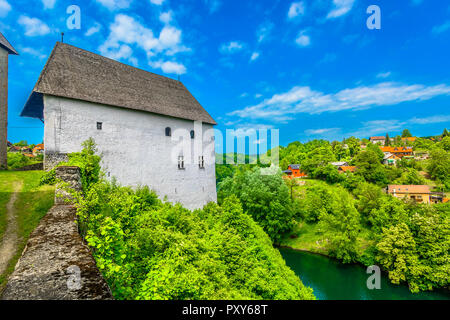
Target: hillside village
x,y
400,152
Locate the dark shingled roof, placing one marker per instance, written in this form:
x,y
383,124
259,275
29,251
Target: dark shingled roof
x,y
74,73
6,45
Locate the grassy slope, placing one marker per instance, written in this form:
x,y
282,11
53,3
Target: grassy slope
x,y
32,204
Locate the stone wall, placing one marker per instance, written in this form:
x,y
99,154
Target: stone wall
x,y
32,167
56,264
52,159
70,177
3,107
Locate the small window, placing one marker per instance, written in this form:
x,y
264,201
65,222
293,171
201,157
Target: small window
x,y
201,162
181,162
192,134
168,132
99,125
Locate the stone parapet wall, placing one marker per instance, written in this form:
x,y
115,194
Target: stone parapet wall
x,y
52,159
69,177
56,263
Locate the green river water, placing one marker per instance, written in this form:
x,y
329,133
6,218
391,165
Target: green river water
x,y
332,280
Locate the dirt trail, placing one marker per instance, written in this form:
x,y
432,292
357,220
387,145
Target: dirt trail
x,y
9,243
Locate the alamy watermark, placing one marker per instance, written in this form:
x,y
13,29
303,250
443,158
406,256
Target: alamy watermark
x,y
374,281
74,282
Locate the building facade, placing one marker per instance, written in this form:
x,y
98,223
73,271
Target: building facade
x,y
166,143
5,50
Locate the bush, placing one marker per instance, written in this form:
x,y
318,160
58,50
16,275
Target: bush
x,y
150,250
264,197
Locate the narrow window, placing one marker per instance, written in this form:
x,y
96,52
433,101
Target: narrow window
x,y
181,163
168,132
201,162
192,134
99,125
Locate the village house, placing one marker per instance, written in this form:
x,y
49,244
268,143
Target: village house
x,y
400,152
345,169
6,49
390,159
339,164
15,149
38,149
417,193
294,171
378,140
409,140
138,120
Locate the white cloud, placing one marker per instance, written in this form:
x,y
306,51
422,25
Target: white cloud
x,y
430,120
115,4
258,95
384,75
303,39
166,17
157,2
341,7
231,47
255,55
93,30
33,26
305,100
5,8
33,52
169,67
264,31
296,9
48,4
318,132
126,31
441,28
371,128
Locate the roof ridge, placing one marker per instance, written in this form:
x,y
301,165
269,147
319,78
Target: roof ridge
x,y
115,61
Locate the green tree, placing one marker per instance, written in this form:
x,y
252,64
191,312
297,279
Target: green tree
x,y
264,197
406,134
445,133
388,140
369,167
397,252
342,227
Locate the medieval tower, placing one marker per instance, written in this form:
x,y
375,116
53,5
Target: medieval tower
x,y
5,50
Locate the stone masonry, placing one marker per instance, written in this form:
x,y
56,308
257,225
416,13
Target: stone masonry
x,y
56,264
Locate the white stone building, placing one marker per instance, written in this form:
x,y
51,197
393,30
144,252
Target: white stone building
x,y
149,129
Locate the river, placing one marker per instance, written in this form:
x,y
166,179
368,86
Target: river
x,y
332,280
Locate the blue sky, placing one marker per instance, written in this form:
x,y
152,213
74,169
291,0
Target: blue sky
x,y
311,69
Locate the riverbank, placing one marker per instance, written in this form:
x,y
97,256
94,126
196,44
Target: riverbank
x,y
332,280
310,239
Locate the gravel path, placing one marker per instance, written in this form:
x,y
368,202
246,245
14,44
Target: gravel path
x,y
9,243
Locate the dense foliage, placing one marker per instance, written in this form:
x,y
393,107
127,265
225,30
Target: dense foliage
x,y
147,249
264,197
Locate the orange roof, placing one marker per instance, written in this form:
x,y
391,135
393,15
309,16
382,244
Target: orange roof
x,y
348,168
412,139
38,147
29,155
421,189
445,200
396,149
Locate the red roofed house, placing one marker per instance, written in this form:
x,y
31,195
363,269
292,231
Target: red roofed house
x,y
420,194
295,172
344,169
38,149
378,140
398,151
